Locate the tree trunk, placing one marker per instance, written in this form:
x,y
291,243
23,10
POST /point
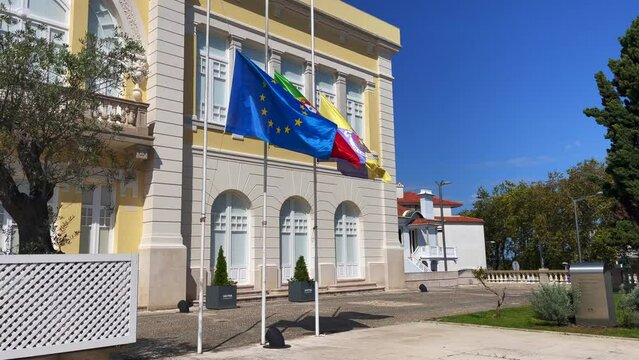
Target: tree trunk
x,y
33,228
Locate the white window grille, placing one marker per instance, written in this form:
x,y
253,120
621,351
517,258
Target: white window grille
x,y
52,15
347,242
355,107
294,237
96,220
218,72
325,85
230,232
294,71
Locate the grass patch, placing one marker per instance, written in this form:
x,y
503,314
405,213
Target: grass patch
x,y
523,318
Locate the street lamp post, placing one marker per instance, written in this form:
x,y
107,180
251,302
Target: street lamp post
x,y
440,185
574,205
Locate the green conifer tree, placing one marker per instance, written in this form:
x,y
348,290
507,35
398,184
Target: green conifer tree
x,y
620,116
301,273
221,276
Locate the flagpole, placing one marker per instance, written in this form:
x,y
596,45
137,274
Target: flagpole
x,y
264,191
200,315
315,238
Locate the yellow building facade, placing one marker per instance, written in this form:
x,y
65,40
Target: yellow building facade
x,y
153,208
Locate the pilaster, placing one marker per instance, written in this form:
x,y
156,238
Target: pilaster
x,y
275,62
340,92
162,252
308,80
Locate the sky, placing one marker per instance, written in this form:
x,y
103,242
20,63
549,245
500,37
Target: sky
x,y
492,90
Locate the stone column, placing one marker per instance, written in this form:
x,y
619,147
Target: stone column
x,y
163,270
308,80
543,276
340,92
275,62
387,122
235,43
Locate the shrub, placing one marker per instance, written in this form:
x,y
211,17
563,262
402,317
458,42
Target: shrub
x,y
301,273
554,302
221,276
628,309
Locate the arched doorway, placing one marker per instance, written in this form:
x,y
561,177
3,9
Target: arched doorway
x,y
230,230
347,241
294,238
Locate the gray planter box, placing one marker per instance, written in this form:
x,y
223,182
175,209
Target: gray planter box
x,y
221,297
301,291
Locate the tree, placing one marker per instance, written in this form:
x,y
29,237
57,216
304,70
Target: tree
x,y
620,116
301,272
530,221
49,130
221,275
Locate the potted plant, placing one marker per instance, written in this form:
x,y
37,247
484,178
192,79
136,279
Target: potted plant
x,y
222,294
300,287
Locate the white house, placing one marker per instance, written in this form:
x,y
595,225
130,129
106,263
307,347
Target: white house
x,y
421,238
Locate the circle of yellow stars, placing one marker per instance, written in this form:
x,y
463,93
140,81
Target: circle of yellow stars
x,y
264,112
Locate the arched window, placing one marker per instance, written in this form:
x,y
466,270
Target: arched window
x,y
53,15
347,241
230,226
103,24
294,239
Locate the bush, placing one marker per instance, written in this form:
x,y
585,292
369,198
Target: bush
x,y
301,273
221,276
556,303
628,309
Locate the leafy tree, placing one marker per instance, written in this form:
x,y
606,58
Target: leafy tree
x,y
528,221
221,276
301,273
620,115
50,133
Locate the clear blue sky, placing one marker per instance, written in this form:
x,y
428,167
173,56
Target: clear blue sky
x,y
492,90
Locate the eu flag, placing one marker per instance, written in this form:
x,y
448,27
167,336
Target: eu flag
x,y
262,108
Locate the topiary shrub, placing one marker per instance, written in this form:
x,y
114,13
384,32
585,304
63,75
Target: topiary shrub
x,y
301,273
628,309
554,302
221,276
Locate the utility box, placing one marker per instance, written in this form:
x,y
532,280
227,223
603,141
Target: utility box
x,y
594,283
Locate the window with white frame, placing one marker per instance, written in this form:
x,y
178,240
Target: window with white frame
x,y
294,239
355,106
8,233
218,74
52,15
346,241
324,85
293,70
254,52
230,226
96,220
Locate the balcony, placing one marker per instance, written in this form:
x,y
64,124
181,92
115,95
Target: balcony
x,y
435,252
130,116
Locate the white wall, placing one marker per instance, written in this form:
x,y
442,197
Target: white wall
x,y
469,241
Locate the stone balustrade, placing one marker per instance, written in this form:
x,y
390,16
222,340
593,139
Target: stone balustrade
x,y
122,112
541,276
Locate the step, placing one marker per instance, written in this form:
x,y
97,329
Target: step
x,y
341,288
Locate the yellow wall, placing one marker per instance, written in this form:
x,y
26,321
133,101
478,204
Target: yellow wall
x,y
70,209
127,228
128,218
79,23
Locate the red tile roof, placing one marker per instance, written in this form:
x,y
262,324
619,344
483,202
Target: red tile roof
x,y
448,219
412,198
401,210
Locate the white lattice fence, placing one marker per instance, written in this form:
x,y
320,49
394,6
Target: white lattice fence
x,y
60,303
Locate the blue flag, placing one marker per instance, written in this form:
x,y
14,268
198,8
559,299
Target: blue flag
x,y
261,108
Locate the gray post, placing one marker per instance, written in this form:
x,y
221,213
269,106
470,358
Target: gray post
x,y
574,205
441,184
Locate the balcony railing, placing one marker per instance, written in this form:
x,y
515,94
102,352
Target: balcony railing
x,y
435,252
127,114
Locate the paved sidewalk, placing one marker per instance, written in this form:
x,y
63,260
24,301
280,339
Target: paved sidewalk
x,y
431,340
166,334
